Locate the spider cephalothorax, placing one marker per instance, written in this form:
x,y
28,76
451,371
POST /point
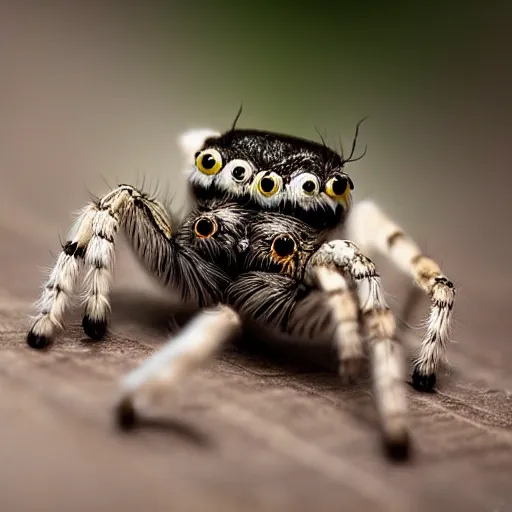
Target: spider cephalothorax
x,y
276,172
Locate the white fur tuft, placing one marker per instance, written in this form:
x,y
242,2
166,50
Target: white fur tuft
x,y
191,140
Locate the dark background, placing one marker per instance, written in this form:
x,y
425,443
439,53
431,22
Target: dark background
x,y
95,91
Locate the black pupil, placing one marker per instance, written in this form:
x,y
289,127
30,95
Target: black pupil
x,y
339,185
284,246
267,184
238,173
208,162
205,227
308,186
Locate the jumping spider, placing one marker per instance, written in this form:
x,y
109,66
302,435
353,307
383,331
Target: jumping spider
x,y
256,247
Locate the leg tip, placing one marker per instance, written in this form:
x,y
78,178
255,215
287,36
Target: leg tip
x,y
37,341
95,329
125,414
398,449
422,382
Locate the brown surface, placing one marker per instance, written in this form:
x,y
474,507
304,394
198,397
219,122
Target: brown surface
x,y
247,433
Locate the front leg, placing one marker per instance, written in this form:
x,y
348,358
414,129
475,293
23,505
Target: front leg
x,y
343,303
279,301
91,243
167,368
380,330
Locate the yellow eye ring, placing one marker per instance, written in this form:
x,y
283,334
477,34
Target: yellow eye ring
x,y
269,185
338,187
209,161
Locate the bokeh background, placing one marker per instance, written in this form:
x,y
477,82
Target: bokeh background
x,y
99,91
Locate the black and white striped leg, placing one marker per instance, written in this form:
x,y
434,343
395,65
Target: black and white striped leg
x,y
380,331
165,370
111,214
373,230
90,244
57,296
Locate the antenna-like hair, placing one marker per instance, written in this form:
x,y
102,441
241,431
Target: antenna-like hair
x,y
354,143
327,150
322,138
239,113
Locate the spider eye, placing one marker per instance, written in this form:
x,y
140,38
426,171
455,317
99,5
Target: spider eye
x,y
240,170
339,187
283,246
269,184
309,186
209,161
205,227
238,173
306,184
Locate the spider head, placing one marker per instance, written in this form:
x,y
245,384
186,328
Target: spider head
x,y
274,172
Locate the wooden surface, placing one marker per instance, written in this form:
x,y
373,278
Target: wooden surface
x,y
250,432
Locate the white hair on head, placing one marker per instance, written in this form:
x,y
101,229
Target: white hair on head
x,y
192,140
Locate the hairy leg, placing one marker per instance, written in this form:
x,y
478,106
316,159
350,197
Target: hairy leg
x,y
343,303
91,242
380,331
374,230
168,367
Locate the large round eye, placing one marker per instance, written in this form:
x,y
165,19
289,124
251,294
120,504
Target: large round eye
x,y
205,227
240,170
269,184
338,186
283,246
306,183
209,161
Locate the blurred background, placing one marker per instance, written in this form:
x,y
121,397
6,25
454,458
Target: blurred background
x,y
99,91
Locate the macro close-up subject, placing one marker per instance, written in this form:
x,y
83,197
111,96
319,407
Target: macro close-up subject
x,y
245,277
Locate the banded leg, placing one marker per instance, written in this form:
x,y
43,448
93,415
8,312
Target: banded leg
x,y
111,213
371,228
380,331
166,368
58,290
148,229
343,304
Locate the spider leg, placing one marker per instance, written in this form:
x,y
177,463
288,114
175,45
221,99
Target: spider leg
x,y
58,290
91,242
166,368
380,331
372,229
343,304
